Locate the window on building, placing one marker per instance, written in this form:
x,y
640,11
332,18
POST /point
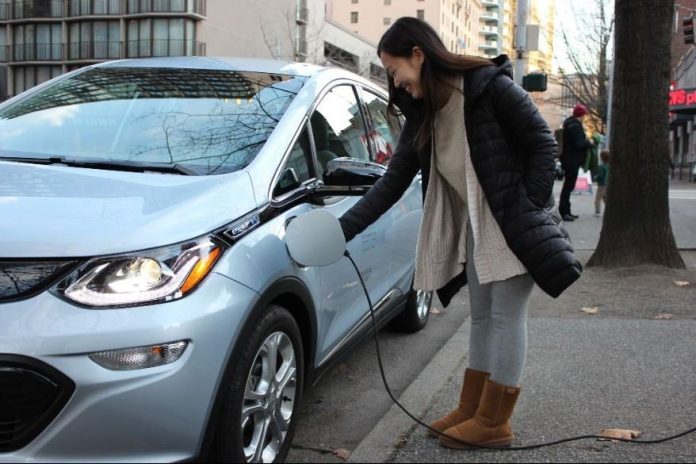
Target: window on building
x,y
420,14
3,50
387,2
40,41
26,77
354,17
386,21
98,39
353,1
160,37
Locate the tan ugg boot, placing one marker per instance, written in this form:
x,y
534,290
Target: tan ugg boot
x,y
490,426
468,402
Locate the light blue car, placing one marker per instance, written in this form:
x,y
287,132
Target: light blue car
x,y
149,310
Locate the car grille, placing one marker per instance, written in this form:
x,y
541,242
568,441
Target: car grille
x,y
23,279
31,396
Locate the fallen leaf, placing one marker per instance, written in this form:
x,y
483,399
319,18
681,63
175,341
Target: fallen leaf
x,y
341,453
618,433
664,316
592,310
435,311
682,283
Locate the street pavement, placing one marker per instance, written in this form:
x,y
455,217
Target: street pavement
x,y
630,366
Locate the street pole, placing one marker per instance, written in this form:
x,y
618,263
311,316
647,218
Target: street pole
x,y
610,98
521,40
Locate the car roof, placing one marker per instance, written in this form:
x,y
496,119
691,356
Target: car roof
x,y
220,63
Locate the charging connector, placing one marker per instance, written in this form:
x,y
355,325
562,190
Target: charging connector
x,y
472,445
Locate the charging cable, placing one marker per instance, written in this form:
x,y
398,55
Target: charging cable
x,y
472,445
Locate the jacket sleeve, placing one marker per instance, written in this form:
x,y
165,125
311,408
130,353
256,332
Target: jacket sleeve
x,y
577,138
526,128
401,170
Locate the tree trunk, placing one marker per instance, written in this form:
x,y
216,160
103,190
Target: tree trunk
x,y
636,227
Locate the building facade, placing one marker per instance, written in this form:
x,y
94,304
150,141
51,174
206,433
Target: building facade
x,y
40,39
456,21
543,14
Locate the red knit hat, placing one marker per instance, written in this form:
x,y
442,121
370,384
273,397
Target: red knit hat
x,y
579,111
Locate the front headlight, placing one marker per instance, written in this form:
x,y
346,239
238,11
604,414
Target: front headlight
x,y
146,277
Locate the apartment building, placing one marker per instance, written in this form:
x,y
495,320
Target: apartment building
x,y
543,13
40,39
456,21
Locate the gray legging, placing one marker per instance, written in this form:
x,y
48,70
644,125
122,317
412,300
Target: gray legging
x,y
498,341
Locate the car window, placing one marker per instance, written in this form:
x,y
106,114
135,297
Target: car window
x,y
208,121
386,127
338,127
297,168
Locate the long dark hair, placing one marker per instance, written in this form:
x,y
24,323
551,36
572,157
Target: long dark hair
x,y
439,65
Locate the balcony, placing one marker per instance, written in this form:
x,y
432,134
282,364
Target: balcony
x,y
94,50
196,7
96,8
4,53
489,16
490,3
37,52
152,48
32,9
489,46
489,30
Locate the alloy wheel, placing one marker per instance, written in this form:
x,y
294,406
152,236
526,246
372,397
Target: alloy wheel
x,y
269,399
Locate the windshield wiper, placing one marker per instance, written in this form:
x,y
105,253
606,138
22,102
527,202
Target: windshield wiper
x,y
130,166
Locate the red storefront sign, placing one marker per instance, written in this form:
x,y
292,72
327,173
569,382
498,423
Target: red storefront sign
x,y
682,99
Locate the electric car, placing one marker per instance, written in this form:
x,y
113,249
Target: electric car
x,y
149,310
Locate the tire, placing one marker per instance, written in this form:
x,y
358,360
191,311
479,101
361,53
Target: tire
x,y
416,313
251,385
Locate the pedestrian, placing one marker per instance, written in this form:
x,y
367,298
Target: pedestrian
x,y
602,180
591,157
575,146
487,161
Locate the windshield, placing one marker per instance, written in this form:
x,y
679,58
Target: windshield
x,y
208,121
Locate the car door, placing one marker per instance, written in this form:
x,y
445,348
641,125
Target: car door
x,y
339,129
383,133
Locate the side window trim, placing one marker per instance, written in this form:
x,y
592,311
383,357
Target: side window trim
x,y
305,126
367,121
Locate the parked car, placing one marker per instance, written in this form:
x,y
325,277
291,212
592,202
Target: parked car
x,y
149,310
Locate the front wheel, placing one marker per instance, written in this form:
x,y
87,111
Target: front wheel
x,y
416,313
263,393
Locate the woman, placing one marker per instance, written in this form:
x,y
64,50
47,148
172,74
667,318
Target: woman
x,y
487,159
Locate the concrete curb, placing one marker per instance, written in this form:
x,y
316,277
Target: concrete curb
x,y
385,437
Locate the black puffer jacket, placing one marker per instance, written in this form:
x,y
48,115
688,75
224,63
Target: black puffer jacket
x,y
512,151
575,144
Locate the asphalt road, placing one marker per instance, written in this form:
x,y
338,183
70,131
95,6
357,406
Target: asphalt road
x,y
350,400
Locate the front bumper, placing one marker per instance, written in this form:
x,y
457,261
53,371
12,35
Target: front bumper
x,y
148,415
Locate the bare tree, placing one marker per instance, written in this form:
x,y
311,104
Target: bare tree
x,y
285,43
588,84
636,226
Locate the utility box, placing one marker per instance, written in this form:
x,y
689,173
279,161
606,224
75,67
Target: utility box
x,y
534,82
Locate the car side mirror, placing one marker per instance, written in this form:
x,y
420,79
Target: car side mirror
x,y
350,176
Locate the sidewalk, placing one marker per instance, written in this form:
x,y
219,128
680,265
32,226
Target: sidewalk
x,y
620,368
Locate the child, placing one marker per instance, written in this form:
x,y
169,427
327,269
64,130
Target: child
x,y
602,179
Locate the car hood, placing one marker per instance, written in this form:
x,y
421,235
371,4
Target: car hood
x,y
59,211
